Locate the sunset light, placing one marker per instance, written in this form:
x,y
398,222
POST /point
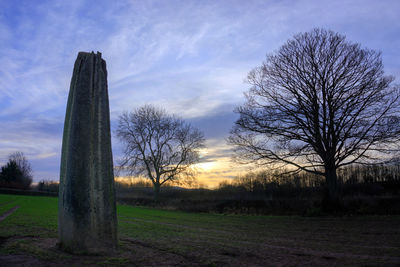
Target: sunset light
x,y
206,166
199,133
192,63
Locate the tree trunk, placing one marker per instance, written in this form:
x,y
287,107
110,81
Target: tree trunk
x,y
156,191
331,201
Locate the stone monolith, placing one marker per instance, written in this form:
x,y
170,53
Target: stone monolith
x,y
87,210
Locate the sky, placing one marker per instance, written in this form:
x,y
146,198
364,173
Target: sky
x,y
189,57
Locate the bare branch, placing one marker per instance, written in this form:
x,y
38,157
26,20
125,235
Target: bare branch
x,y
318,103
157,145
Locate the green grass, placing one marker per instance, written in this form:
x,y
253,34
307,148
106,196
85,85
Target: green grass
x,y
210,239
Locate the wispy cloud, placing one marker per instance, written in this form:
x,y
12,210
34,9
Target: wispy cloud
x,y
190,57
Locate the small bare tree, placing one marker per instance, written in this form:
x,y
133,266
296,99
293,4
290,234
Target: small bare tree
x,y
17,173
317,104
158,145
22,163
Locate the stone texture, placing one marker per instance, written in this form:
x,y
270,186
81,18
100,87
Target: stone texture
x,y
87,208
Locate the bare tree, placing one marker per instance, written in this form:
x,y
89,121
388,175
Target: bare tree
x,y
158,145
317,104
22,163
17,173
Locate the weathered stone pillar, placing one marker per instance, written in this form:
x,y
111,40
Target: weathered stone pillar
x,y
87,221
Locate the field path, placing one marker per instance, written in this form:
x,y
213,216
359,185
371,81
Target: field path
x,y
8,213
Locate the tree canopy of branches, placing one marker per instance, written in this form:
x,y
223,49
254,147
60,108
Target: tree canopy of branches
x,y
17,173
158,145
317,104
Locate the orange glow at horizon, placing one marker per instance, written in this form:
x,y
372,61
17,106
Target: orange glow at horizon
x,y
215,166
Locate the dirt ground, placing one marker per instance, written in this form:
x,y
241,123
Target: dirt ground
x,y
137,253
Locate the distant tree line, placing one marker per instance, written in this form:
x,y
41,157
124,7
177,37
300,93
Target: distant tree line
x,y
16,173
366,189
47,186
353,179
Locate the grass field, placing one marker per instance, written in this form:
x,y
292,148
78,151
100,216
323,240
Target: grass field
x,y
152,237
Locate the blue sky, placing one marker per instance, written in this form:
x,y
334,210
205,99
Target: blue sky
x,y
190,57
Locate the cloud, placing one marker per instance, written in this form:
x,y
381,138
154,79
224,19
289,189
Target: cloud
x,y
35,138
190,57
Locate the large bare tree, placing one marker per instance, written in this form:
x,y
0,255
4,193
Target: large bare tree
x,y
158,145
317,104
